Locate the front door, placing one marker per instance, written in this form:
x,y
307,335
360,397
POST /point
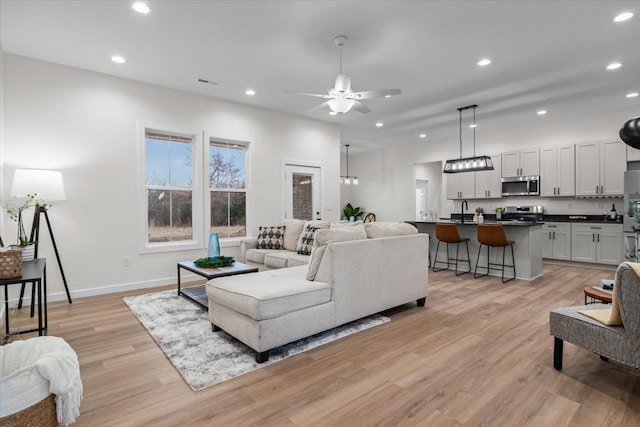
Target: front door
x,y
302,192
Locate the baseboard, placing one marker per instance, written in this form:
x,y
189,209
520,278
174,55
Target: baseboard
x,y
605,267
62,296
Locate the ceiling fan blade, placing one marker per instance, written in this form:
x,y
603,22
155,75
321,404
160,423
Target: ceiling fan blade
x,y
379,93
317,95
318,107
360,107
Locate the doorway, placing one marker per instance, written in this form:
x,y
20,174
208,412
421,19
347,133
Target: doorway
x,y
302,192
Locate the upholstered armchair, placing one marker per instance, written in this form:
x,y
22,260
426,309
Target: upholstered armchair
x,y
618,343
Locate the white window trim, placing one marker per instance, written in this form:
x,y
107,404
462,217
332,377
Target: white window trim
x,y
197,210
231,138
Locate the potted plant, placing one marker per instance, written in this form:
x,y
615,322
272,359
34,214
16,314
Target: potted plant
x,y
15,208
351,213
499,213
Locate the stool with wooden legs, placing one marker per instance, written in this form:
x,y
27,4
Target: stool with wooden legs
x,y
493,236
448,233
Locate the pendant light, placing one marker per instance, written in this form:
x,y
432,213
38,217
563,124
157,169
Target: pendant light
x,y
468,164
347,179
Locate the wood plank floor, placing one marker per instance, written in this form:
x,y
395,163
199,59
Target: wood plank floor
x,y
479,354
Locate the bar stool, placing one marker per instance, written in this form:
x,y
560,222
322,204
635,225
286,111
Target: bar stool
x,y
493,236
448,233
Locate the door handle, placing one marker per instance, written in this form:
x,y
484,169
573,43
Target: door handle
x,y
554,235
598,238
593,238
602,189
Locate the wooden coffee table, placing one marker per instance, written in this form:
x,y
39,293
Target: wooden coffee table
x,y
597,294
198,294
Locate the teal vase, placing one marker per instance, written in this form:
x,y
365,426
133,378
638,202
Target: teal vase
x,y
214,246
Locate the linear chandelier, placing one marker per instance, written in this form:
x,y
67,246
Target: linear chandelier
x,y
347,179
468,164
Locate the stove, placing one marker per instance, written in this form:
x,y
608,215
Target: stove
x,y
523,213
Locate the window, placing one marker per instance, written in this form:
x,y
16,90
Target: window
x,y
228,189
169,178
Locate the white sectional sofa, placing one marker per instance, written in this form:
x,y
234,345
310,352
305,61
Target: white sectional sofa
x,y
353,272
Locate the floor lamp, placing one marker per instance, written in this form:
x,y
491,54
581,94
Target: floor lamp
x,y
48,186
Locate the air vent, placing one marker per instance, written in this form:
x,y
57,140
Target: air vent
x,y
208,82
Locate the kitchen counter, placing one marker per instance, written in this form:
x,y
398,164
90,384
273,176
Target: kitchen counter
x,y
527,248
508,223
595,219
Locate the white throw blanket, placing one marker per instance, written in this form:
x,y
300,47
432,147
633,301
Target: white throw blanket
x,y
56,362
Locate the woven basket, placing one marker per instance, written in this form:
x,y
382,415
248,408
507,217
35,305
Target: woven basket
x,y
10,264
40,414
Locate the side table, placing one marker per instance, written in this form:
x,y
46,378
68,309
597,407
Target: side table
x,y
34,271
198,294
597,294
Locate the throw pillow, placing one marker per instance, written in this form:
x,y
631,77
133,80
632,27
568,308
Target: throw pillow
x,y
305,243
271,237
291,237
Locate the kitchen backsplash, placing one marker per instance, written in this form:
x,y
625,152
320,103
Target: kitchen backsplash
x,y
554,206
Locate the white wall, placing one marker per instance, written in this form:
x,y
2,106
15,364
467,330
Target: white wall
x,y
387,176
84,124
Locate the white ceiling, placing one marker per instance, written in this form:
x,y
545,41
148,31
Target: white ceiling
x,y
546,55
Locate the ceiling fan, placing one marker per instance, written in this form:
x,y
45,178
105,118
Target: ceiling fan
x,y
341,98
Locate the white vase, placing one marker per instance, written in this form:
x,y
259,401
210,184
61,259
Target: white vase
x,y
28,252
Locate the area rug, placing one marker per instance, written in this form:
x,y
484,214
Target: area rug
x,y
203,357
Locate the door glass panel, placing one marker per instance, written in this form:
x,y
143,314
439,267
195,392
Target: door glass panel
x,y
302,196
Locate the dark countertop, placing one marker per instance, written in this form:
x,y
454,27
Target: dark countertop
x,y
488,221
598,219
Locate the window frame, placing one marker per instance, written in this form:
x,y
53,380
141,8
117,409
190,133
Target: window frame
x,y
197,242
236,139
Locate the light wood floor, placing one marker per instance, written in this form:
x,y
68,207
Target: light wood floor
x,y
479,354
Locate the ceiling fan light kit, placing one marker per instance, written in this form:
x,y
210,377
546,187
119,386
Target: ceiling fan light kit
x,y
341,99
468,164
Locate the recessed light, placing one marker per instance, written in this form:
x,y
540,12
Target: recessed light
x,y
623,17
614,66
423,135
473,125
119,59
484,62
387,96
379,124
332,113
542,112
632,95
250,92
141,7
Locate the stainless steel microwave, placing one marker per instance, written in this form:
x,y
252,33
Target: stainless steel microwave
x,y
521,186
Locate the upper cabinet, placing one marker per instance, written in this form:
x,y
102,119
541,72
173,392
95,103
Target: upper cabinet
x,y
461,185
488,184
557,171
600,168
633,154
522,162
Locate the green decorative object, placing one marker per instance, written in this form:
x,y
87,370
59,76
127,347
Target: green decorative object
x,y
349,211
215,262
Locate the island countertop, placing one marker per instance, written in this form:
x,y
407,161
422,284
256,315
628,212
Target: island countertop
x,y
514,223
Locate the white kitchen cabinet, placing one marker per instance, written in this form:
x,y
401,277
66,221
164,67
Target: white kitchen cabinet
x,y
556,240
522,162
557,171
633,154
488,183
599,243
600,168
461,185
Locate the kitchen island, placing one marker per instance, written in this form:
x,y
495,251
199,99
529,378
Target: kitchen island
x,y
527,249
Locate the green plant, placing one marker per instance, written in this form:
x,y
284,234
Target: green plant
x,y
15,207
219,261
349,211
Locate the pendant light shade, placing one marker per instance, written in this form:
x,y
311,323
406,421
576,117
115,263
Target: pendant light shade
x,y
347,179
468,164
340,105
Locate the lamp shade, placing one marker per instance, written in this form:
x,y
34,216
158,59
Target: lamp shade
x,y
46,184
